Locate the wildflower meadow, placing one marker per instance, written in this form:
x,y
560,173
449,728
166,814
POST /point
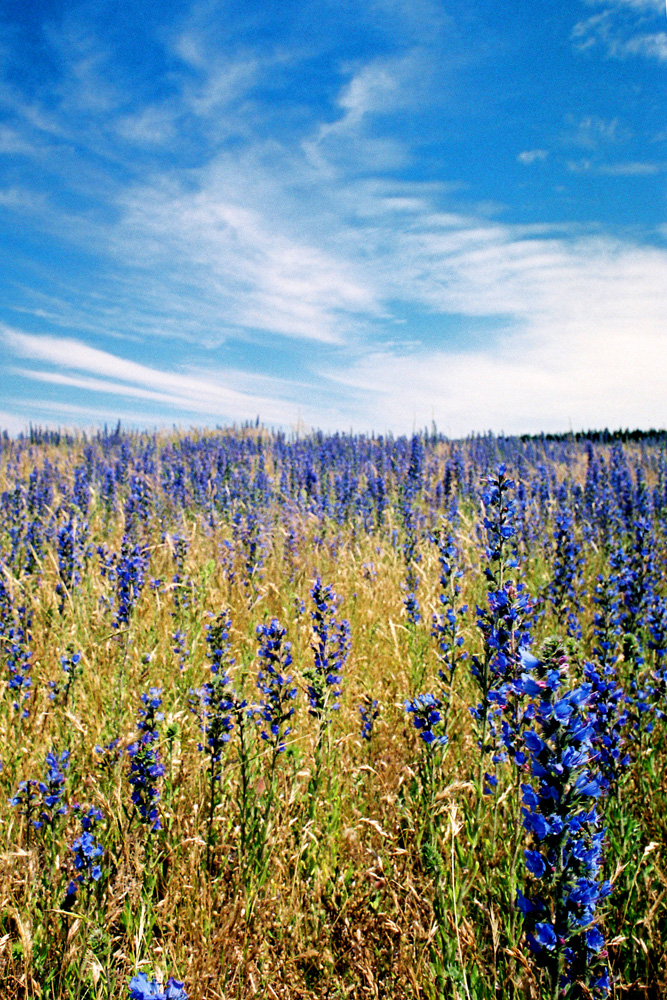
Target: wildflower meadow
x,y
333,716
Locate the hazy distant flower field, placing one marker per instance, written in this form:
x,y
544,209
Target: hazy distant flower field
x,y
333,717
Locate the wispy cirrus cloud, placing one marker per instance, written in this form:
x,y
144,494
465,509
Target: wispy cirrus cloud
x,y
623,29
75,365
592,132
581,325
640,6
631,168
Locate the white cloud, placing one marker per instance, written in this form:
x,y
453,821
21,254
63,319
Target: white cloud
x,y
13,142
620,29
13,423
21,199
633,168
591,131
585,342
656,6
569,379
653,46
630,168
193,392
530,156
152,126
381,86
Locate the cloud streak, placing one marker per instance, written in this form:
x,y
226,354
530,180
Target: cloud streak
x,y
194,393
620,29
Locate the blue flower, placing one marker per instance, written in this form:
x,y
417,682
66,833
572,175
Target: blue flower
x,y
535,863
545,935
595,939
275,709
141,989
174,990
330,646
145,766
425,711
369,712
566,855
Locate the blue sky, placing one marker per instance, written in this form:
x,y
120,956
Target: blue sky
x,y
368,215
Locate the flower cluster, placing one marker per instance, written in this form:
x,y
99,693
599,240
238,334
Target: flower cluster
x,y
212,704
608,715
130,575
504,627
249,532
369,712
331,645
41,802
445,627
141,988
498,525
179,581
26,799
71,547
87,852
425,710
412,527
275,708
565,856
70,664
52,789
218,642
564,589
15,625
145,766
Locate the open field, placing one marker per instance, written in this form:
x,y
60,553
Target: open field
x,y
189,627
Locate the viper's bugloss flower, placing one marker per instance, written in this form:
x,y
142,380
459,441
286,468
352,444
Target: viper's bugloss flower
x,y
27,799
498,523
87,856
109,754
275,708
131,567
213,705
52,789
179,582
330,646
179,639
505,629
71,546
141,988
425,710
70,664
218,642
445,627
15,629
175,990
609,716
565,858
412,527
249,533
145,772
145,766
150,714
564,588
411,602
369,712
89,818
